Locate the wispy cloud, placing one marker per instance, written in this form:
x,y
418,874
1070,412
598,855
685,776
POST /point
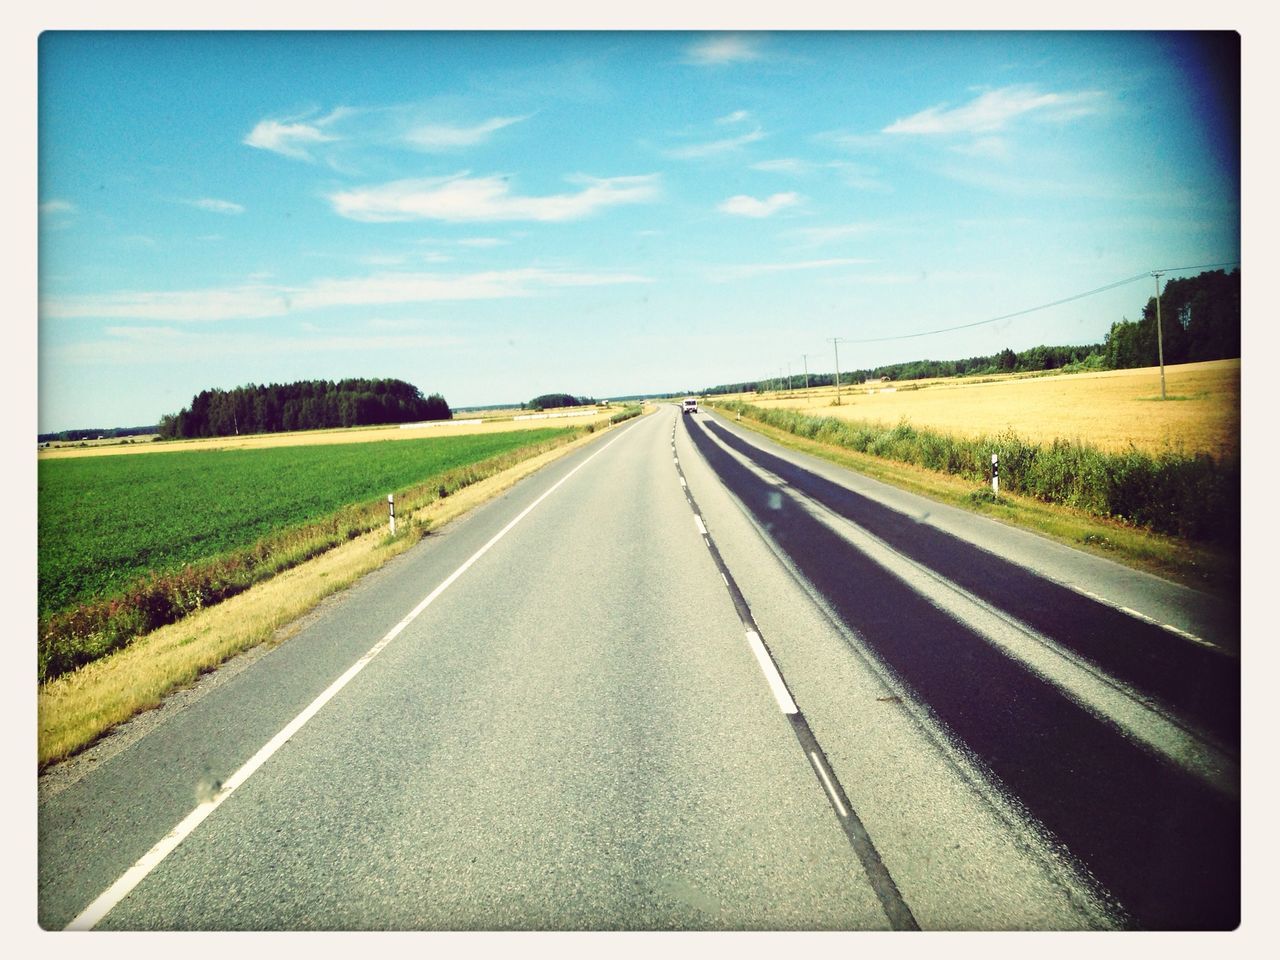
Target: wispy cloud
x,y
159,344
713,147
994,110
745,206
52,207
743,271
463,198
852,174
820,236
738,116
440,137
215,206
259,301
293,137
724,49
482,242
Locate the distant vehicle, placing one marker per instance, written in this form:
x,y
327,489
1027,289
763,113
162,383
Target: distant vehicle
x,y
690,405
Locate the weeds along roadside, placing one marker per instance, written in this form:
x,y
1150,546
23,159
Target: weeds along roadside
x,y
71,638
78,708
1173,514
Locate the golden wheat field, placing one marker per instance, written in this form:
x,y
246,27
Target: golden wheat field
x,y
1109,410
464,424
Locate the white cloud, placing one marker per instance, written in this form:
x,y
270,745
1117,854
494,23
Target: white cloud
x,y
433,137
790,165
257,300
744,206
167,345
292,138
697,150
818,236
726,48
463,198
736,117
215,206
994,110
51,207
993,148
743,271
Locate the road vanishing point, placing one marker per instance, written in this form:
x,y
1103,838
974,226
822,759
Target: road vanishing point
x,y
687,679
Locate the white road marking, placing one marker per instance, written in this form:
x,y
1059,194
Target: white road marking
x,y
826,782
1092,688
100,907
701,526
770,671
682,483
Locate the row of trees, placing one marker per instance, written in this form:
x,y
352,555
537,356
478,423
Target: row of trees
x,y
1200,320
549,401
97,433
306,405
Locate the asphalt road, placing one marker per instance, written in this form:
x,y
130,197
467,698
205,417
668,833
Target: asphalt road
x,y
683,679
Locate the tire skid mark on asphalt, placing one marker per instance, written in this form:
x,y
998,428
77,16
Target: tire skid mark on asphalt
x,y
1162,846
1106,697
1198,682
891,900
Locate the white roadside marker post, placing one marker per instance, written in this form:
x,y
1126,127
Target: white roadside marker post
x,y
391,509
995,474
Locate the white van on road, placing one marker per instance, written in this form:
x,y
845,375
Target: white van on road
x,y
690,405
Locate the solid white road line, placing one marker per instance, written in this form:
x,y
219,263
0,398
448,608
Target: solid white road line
x,y
100,907
770,671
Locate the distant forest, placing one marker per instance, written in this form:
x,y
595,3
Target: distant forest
x,y
306,405
1200,320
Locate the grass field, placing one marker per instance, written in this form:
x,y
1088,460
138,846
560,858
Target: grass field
x,y
493,421
1109,410
129,544
77,707
104,521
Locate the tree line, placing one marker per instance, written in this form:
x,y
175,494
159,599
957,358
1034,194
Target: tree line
x,y
305,405
1199,320
550,401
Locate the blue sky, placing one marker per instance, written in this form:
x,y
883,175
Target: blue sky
x,y
493,216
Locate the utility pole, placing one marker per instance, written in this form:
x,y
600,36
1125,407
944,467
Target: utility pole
x,y
835,342
1159,332
806,371
789,387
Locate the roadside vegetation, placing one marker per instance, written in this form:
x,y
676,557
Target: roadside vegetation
x,y
129,544
1172,513
76,708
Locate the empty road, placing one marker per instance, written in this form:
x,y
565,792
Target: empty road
x,y
685,679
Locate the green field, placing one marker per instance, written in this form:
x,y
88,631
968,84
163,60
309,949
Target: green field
x,y
106,522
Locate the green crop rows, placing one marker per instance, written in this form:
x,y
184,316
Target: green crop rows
x,y
106,521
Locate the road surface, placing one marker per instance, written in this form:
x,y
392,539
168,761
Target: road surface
x,y
684,679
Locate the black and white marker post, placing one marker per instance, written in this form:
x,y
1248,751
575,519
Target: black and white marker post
x,y
391,509
995,474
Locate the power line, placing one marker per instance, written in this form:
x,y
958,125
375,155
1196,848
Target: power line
x,y
1043,306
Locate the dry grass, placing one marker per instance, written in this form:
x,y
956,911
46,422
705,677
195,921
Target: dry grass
x,y
1108,410
440,428
1202,566
77,708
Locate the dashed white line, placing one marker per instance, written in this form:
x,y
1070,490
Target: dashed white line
x,y
826,782
702,528
770,671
